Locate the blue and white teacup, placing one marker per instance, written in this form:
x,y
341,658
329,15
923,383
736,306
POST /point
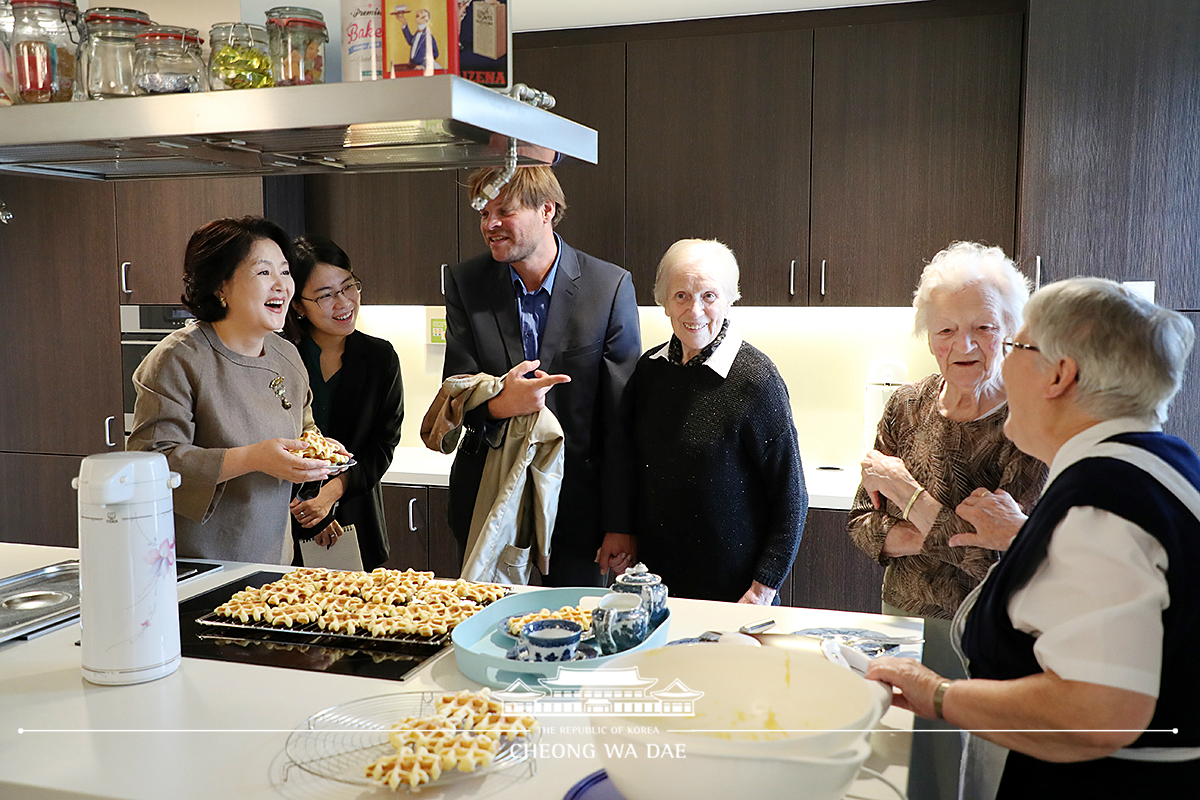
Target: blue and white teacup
x,y
620,622
551,639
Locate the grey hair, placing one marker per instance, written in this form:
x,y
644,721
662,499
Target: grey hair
x,y
964,264
1130,353
712,254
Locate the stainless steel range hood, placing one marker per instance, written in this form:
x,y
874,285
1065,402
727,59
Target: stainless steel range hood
x,y
408,124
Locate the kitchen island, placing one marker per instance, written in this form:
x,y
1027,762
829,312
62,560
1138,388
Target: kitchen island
x,y
217,731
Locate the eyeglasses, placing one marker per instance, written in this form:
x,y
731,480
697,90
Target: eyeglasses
x,y
1009,345
350,291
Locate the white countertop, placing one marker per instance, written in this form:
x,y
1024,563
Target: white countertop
x,y
417,466
217,731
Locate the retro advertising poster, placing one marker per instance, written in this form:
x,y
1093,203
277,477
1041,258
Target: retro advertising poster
x,y
485,42
419,37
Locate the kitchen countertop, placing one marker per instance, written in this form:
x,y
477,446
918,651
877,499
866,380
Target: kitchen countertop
x,y
218,730
828,487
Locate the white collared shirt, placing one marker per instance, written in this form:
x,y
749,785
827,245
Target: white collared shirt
x,y
721,360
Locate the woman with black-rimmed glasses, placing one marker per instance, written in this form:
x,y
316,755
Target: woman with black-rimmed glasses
x,y
358,399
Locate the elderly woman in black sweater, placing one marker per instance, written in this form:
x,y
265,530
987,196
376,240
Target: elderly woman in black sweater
x,y
720,497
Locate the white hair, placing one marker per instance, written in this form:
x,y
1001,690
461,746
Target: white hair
x,y
711,254
1130,353
964,264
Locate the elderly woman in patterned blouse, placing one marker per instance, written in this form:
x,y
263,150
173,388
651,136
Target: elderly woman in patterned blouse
x,y
943,479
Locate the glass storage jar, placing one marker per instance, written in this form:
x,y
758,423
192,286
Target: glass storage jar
x,y
107,63
298,38
45,49
238,57
7,88
168,61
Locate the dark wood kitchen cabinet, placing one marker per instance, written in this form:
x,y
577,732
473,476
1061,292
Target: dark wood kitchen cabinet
x,y
61,394
38,501
915,141
155,219
398,229
718,147
418,526
830,572
1109,183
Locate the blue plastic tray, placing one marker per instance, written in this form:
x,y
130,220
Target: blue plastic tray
x,y
479,647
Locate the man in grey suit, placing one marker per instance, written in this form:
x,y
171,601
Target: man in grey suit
x,y
562,327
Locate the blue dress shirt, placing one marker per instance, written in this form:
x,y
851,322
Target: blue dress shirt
x,y
533,308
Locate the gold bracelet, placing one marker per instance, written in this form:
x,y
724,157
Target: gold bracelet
x,y
939,695
912,500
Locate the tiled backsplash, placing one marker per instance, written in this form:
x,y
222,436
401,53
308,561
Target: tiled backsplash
x,y
824,355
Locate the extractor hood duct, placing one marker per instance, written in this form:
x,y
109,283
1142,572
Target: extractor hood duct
x,y
407,124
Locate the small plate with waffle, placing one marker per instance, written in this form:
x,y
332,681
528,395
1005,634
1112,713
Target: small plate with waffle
x,y
318,447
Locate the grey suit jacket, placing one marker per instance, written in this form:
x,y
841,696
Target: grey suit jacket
x,y
592,334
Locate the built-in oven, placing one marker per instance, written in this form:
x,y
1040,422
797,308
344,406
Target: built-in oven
x,y
142,327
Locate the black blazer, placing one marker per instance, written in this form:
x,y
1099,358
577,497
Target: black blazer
x,y
366,414
592,334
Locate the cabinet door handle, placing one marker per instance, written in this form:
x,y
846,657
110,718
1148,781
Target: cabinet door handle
x,y
443,291
108,440
1037,273
412,521
792,280
822,277
125,278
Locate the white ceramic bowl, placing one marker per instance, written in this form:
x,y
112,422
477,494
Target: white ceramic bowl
x,y
769,720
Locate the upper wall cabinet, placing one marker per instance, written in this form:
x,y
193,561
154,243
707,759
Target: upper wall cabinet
x,y
61,393
916,130
398,228
588,83
1110,184
155,219
718,147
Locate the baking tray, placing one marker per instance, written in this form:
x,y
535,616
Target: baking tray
x,y
480,648
38,598
312,633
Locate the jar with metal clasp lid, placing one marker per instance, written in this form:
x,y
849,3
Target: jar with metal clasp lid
x,y
298,37
168,61
107,58
239,57
45,50
7,88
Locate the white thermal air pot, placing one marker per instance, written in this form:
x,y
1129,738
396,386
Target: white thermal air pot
x,y
129,601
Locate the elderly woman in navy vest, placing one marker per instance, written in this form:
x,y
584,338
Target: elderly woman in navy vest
x,y
1082,643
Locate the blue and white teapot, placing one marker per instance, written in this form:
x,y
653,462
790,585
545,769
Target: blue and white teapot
x,y
641,581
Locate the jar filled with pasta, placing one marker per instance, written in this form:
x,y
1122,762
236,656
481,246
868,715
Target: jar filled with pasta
x,y
168,61
239,57
107,63
298,38
45,49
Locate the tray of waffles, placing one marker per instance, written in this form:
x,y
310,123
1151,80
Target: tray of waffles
x,y
410,740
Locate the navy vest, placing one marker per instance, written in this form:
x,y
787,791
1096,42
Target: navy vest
x,y
997,650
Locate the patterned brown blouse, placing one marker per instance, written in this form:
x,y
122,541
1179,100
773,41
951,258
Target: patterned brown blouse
x,y
950,459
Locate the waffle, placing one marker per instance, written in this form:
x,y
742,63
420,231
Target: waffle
x,y
317,446
463,735
573,613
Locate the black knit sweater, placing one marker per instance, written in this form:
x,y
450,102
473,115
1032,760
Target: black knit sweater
x,y
720,499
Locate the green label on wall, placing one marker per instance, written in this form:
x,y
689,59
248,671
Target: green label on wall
x,y
437,331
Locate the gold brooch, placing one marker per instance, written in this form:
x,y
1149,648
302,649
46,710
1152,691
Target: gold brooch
x,y
277,387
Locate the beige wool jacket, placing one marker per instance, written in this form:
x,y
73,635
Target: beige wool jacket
x,y
196,398
513,519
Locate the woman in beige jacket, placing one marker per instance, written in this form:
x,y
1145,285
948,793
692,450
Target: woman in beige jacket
x,y
226,399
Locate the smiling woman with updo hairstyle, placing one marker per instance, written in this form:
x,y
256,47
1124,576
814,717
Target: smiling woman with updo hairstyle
x,y
719,488
358,398
226,400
